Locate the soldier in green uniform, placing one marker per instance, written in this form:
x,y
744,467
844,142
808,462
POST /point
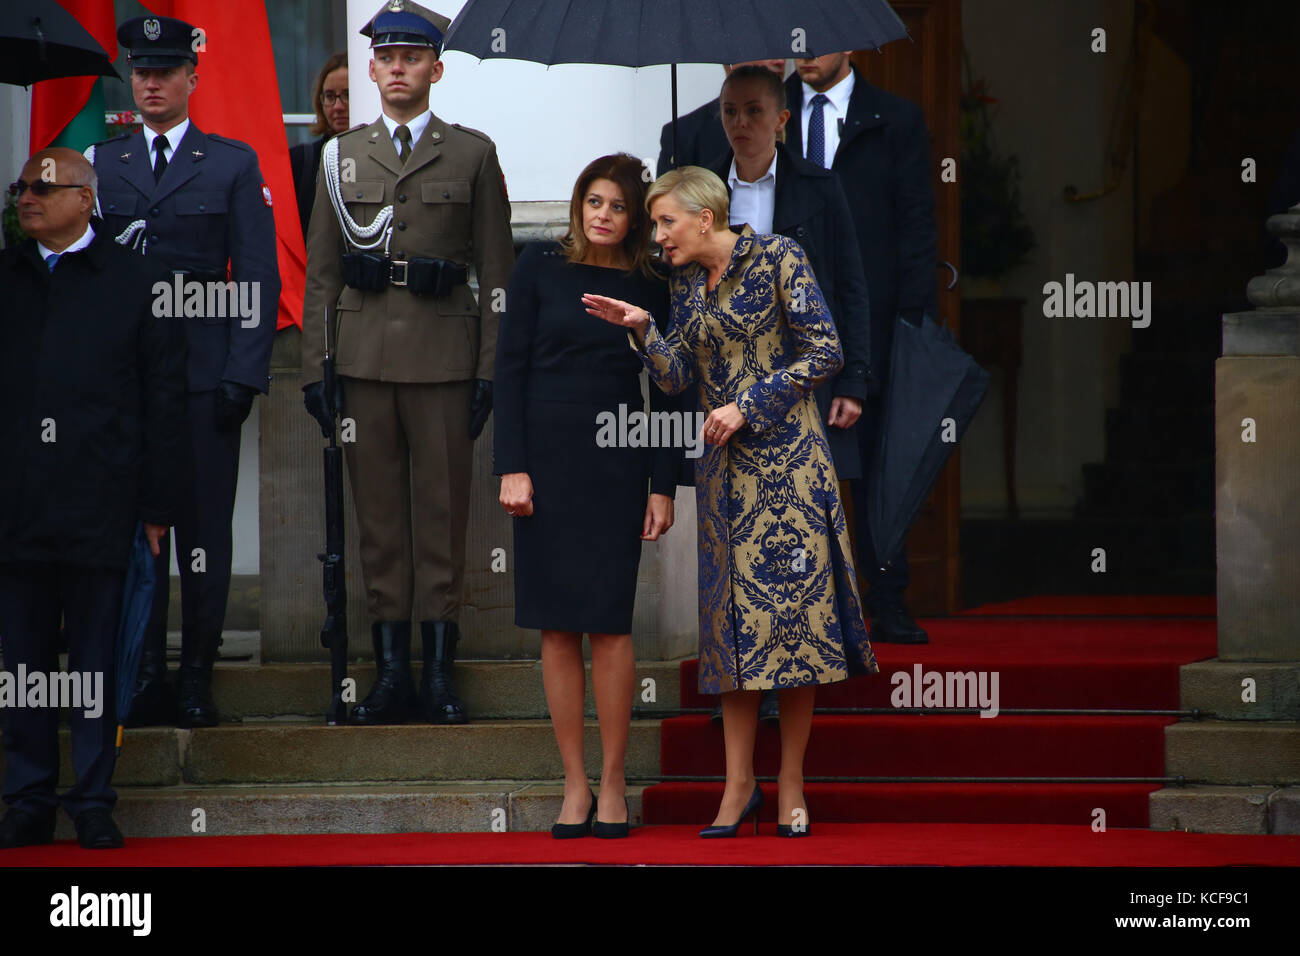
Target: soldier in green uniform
x,y
403,206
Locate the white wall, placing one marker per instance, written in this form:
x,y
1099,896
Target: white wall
x,y
547,122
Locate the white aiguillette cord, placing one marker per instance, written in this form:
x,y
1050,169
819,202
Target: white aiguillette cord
x,y
134,234
378,230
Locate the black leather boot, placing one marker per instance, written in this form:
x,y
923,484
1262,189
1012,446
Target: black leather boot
x,y
194,704
438,702
390,700
153,703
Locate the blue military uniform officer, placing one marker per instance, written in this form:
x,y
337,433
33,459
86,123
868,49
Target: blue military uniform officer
x,y
197,202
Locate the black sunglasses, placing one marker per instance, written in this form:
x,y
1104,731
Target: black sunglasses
x,y
40,187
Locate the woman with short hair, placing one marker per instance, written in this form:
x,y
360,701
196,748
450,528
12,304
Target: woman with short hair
x,y
778,596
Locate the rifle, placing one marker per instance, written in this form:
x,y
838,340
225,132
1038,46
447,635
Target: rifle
x,y
334,634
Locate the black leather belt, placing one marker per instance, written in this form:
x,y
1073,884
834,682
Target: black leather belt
x,y
371,272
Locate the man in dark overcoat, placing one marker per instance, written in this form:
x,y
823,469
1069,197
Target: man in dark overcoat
x,y
92,406
403,206
878,145
196,202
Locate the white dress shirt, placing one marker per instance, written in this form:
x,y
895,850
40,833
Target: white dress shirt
x,y
172,138
754,202
85,240
832,113
416,126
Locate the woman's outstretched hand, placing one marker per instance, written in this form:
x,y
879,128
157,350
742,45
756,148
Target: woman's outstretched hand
x,y
617,312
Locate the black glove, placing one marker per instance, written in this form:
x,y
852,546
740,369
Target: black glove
x,y
313,396
480,406
233,403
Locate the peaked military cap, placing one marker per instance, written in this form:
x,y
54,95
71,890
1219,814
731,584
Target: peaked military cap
x,y
403,23
154,42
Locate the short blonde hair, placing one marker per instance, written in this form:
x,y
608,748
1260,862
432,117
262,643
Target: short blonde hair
x,y
697,189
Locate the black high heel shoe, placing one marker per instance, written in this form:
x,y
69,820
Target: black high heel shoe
x,y
570,831
789,830
755,802
612,831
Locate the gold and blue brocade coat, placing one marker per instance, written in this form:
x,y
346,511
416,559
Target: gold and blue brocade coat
x,y
779,604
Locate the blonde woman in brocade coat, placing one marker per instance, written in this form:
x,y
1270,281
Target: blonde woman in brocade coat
x,y
779,604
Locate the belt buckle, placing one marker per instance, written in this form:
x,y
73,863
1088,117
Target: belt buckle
x,y
392,275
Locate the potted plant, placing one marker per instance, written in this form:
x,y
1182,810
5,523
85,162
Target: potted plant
x,y
995,236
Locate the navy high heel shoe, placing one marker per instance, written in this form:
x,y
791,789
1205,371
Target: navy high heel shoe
x,y
612,831
570,831
755,802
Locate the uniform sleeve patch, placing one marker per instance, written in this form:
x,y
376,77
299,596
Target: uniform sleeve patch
x,y
266,194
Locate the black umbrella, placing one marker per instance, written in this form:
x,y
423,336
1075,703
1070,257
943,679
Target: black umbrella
x,y
933,393
654,32
137,604
39,40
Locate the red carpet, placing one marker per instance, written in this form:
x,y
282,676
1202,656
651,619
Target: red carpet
x,y
930,745
1082,658
1048,663
1125,803
881,844
1107,605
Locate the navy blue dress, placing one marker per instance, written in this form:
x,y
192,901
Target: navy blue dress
x,y
557,370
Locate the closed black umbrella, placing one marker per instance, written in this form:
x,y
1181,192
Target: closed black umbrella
x,y
933,393
137,604
654,32
39,40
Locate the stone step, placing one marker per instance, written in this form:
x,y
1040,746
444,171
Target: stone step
x,y
490,690
1219,809
1234,753
291,752
369,807
1217,687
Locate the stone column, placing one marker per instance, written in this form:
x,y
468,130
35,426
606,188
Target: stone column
x,y
1242,752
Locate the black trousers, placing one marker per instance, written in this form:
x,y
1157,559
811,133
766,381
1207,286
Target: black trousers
x,y
33,598
887,584
203,521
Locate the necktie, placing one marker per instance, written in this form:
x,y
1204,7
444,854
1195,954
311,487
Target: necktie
x,y
404,139
160,163
52,258
817,131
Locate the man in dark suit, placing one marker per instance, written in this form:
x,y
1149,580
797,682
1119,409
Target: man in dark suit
x,y
195,201
92,404
700,138
879,146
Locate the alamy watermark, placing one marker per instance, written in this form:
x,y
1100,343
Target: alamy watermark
x,y
637,429
76,690
1085,299
209,300
945,689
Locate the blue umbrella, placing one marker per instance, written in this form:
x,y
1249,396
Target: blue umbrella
x,y
137,604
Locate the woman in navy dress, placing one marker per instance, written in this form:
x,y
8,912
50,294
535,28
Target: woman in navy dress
x,y
579,502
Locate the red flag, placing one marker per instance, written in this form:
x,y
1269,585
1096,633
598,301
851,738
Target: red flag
x,y
238,96
56,102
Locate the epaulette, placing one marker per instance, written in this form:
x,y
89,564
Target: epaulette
x,y
353,129
112,139
474,132
229,142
